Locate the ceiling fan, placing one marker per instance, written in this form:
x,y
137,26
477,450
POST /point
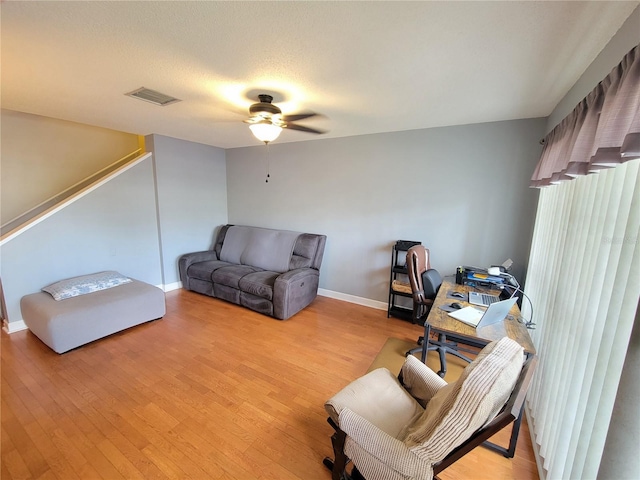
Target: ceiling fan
x,y
266,120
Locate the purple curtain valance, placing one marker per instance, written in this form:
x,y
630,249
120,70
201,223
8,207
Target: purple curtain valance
x,y
601,132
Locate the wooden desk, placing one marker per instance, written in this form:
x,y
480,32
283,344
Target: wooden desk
x,y
439,322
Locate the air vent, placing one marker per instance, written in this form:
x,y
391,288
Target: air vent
x,y
152,96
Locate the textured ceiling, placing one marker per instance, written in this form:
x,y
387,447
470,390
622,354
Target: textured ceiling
x,y
368,67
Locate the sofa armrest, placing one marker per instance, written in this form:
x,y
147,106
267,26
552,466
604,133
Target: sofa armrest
x,y
188,259
294,290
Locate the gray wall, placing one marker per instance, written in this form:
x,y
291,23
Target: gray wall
x,y
192,197
363,192
368,191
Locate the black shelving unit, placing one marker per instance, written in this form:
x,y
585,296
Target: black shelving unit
x,y
399,281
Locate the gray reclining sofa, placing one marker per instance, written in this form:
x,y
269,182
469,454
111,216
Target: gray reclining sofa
x,y
274,272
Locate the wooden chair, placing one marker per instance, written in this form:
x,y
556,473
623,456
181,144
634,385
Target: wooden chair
x,y
370,415
511,413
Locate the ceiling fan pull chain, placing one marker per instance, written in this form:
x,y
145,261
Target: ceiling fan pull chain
x,y
268,176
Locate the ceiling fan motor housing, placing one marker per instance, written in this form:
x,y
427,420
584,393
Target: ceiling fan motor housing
x,y
265,106
266,113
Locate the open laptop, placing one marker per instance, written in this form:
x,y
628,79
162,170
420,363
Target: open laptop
x,y
482,299
496,312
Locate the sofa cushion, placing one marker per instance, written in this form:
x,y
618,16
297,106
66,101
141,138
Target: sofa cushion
x,y
201,286
229,294
259,284
203,270
257,304
270,249
236,240
261,247
231,275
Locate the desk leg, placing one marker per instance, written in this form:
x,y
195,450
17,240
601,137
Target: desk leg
x,y
442,354
513,440
514,434
511,450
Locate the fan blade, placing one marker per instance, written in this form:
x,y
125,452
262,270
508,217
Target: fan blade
x,y
300,116
293,126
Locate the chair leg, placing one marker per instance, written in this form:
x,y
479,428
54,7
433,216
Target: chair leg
x,y
418,350
356,475
459,355
442,346
339,463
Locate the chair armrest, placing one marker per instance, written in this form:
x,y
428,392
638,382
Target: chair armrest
x,y
388,450
419,380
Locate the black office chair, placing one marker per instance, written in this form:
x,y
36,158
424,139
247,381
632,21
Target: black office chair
x,y
425,283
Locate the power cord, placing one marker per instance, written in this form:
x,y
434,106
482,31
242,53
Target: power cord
x,y
528,324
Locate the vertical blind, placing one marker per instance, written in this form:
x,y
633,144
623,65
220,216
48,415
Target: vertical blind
x,y
584,274
584,279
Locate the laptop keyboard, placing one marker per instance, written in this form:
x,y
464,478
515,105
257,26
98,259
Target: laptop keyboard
x,y
483,299
489,299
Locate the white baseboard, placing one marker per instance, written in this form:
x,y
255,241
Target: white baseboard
x,y
18,325
13,327
171,286
321,291
353,299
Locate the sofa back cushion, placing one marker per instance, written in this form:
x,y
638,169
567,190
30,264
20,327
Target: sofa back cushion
x,y
259,247
217,246
307,251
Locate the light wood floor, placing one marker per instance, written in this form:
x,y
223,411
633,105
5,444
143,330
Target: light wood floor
x,y
211,391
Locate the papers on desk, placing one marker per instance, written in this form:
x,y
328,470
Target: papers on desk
x,y
496,312
469,315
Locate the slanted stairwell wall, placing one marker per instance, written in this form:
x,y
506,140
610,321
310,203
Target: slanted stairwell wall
x,y
166,203
43,156
113,227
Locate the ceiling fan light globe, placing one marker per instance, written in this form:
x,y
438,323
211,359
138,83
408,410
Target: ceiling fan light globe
x,y
265,132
